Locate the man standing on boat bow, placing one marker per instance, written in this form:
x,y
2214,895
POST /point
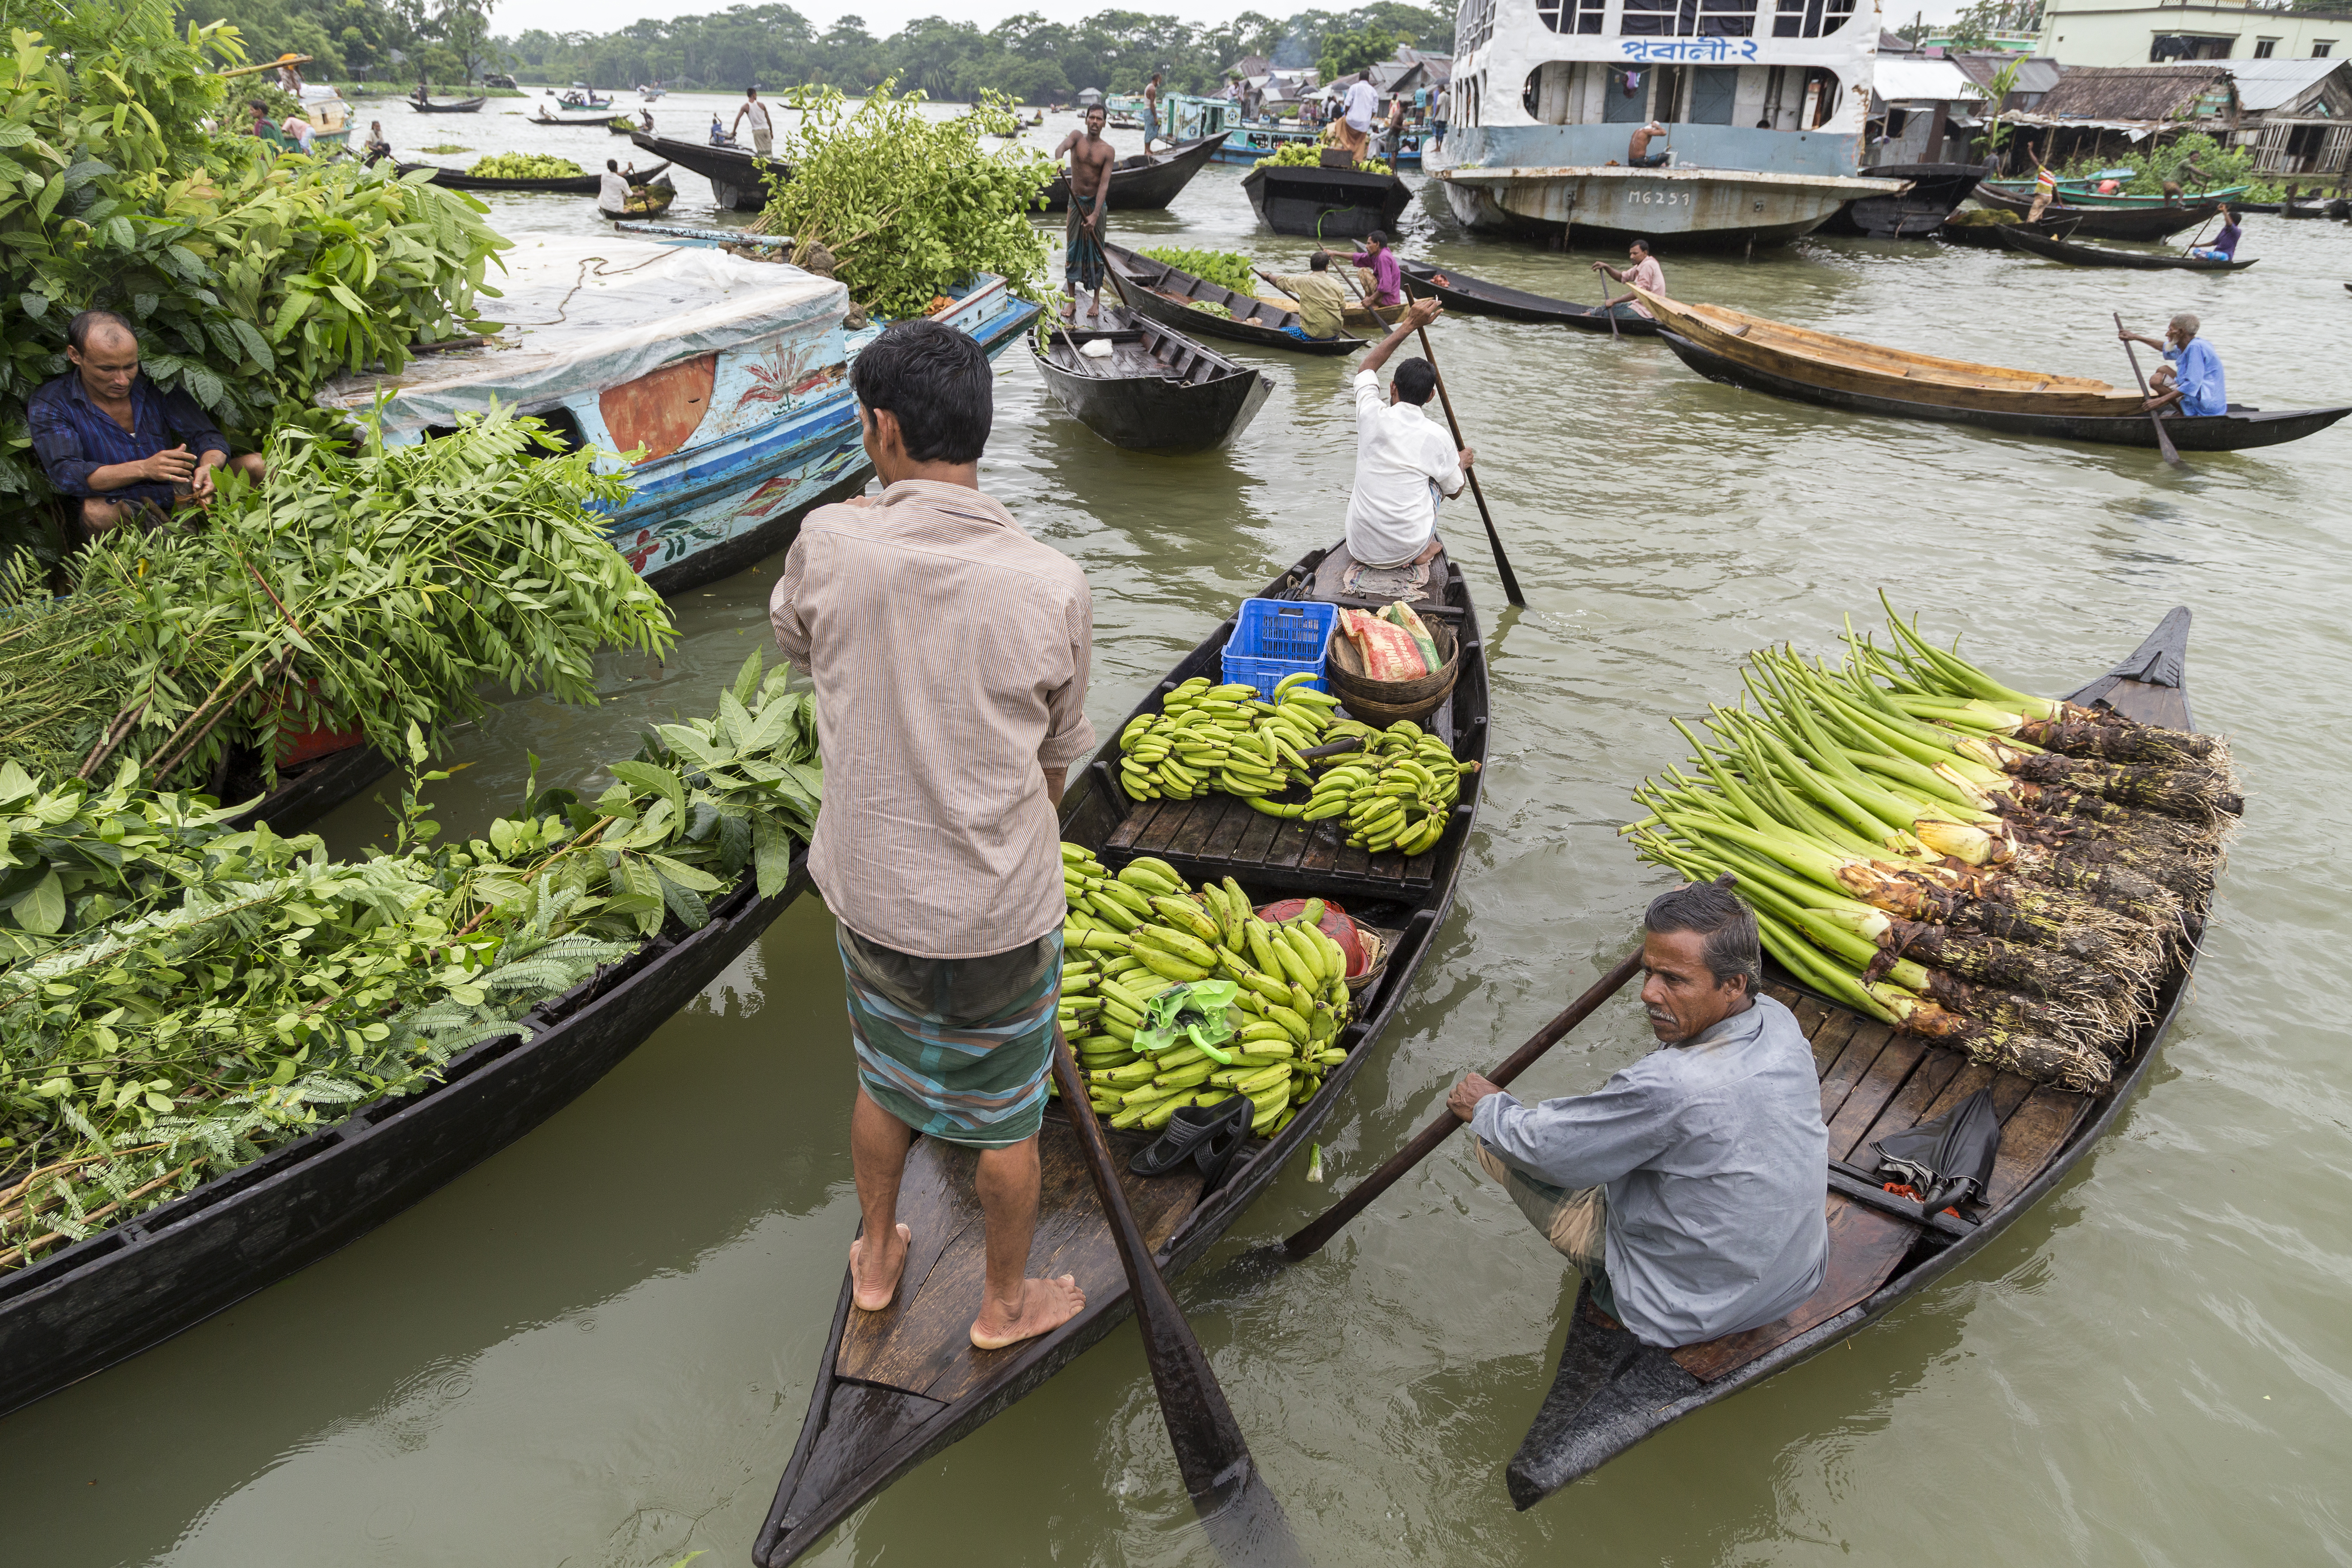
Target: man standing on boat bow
x,y
1083,262
1690,1189
949,652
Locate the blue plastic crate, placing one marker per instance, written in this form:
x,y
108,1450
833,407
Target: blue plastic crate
x,y
1274,637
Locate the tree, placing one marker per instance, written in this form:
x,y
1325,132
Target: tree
x,y
1344,53
463,28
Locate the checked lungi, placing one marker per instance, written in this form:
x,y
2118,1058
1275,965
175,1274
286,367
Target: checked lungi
x,y
958,1048
1082,253
1575,1222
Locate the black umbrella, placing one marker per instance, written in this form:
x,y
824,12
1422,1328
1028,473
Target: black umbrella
x,y
1949,1160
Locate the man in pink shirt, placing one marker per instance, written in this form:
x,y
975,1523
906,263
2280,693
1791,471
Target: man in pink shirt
x,y
1376,265
1645,273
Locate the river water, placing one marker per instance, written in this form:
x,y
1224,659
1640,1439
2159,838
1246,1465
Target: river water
x,y
596,1349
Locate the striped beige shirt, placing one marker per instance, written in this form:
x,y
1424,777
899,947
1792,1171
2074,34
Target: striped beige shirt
x,y
949,651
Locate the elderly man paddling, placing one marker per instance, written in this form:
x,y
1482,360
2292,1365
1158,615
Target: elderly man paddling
x,y
2193,385
1689,1189
949,652
106,434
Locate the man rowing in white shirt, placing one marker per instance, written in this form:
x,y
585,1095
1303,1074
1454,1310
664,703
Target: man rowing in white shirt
x,y
1404,459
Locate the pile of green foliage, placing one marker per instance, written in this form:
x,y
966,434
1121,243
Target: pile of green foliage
x,y
176,997
1225,268
524,166
374,591
910,206
251,279
2221,167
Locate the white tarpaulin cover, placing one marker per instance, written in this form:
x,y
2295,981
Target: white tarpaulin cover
x,y
585,314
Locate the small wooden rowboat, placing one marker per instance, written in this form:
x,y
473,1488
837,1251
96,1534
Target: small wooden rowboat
x,y
1146,182
1797,363
1978,228
738,179
129,1287
559,185
1325,204
1162,293
1612,1391
898,1385
1158,391
2017,237
1477,296
582,120
2079,194
459,106
2157,222
646,199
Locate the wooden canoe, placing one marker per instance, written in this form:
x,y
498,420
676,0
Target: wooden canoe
x,y
1158,392
898,1385
129,1287
655,202
1477,296
559,185
596,120
1979,228
1146,182
737,178
2241,428
2079,194
459,106
1612,1391
1159,292
2158,222
1325,204
2017,237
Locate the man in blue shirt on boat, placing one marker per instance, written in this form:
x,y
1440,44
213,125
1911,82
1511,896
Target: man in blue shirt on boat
x,y
1691,1189
2194,388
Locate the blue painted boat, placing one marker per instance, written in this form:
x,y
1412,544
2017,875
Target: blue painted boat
x,y
720,378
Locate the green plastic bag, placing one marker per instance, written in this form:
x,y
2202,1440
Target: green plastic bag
x,y
1199,1010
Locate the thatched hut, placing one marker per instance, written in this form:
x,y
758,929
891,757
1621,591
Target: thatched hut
x,y
2119,107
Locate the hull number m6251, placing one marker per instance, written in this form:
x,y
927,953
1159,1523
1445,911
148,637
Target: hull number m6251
x,y
1657,198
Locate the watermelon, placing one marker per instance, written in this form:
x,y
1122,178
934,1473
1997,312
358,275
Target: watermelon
x,y
1336,925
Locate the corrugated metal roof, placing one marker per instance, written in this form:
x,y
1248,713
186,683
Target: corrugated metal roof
x,y
2266,84
1901,81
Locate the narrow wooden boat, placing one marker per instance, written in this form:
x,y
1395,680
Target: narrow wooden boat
x,y
1932,192
2157,222
1978,228
1145,181
561,185
1796,363
1477,296
737,177
1159,391
655,201
2079,194
2073,254
588,99
898,1385
1612,1391
582,120
1161,292
1325,204
129,1287
460,106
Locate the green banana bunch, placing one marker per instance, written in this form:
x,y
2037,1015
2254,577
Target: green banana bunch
x,y
1225,738
1397,792
1130,936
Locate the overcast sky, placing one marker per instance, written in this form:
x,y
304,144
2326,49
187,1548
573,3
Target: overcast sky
x,y
884,18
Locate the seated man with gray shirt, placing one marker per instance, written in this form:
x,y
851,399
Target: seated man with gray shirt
x,y
1689,1189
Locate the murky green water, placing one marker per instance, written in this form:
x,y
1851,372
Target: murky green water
x,y
596,1348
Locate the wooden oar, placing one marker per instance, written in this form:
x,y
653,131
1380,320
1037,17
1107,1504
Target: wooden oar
x,y
1494,539
1310,1239
2156,417
1210,1451
1608,306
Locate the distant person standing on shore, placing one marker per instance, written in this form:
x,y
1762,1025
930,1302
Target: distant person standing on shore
x,y
763,130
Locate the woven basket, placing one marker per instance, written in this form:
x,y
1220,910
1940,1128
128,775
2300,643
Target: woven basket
x,y
1379,944
1387,702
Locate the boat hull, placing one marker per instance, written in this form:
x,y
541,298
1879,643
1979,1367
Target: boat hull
x,y
737,181
1715,208
2238,430
1611,1391
575,185
1187,399
129,1287
2051,248
463,106
2110,223
1148,184
1477,296
1325,204
1936,191
1140,282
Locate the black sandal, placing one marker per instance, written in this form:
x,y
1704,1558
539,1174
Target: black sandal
x,y
1205,1133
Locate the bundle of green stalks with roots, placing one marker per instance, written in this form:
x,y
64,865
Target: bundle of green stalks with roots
x,y
2006,874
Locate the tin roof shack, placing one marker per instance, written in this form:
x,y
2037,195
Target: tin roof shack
x,y
1922,112
2096,111
2296,115
2036,75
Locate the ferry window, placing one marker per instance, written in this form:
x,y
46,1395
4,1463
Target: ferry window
x,y
1726,18
1810,18
1649,18
1588,15
2263,47
1570,15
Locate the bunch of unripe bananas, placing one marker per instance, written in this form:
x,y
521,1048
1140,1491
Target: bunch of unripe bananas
x,y
1397,792
1224,738
1131,936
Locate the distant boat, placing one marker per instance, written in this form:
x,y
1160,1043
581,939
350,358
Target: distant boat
x,y
461,106
582,97
1145,181
655,91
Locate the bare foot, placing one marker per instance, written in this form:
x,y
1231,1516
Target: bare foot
x,y
1046,1305
878,1285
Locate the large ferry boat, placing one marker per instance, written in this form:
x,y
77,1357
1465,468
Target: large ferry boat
x,y
1763,104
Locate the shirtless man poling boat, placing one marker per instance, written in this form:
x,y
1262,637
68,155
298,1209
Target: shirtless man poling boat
x,y
1082,237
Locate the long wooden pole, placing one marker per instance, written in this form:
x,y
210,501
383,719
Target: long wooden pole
x,y
2156,417
1494,539
1210,1450
1309,1240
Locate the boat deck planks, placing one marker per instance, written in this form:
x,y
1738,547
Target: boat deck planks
x,y
1865,1247
917,1344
